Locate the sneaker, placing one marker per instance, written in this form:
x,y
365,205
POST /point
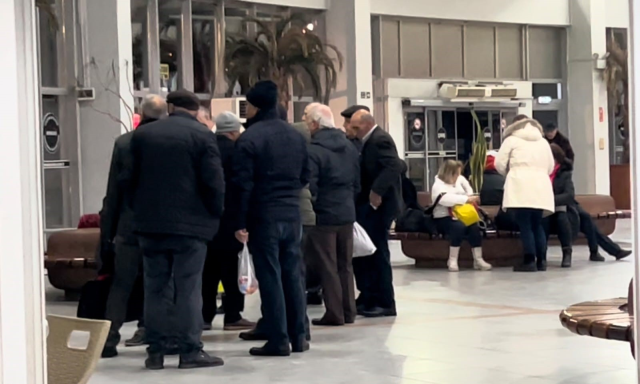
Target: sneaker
x,y
240,325
137,340
481,265
200,359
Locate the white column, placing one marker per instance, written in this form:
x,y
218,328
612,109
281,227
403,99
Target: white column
x,y
587,95
348,25
634,142
22,340
110,114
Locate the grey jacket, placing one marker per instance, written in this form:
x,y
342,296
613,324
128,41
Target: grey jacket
x,y
306,205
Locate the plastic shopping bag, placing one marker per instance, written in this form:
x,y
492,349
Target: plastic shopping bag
x,y
362,244
247,281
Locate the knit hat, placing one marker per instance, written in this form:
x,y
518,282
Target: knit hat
x,y
227,122
491,160
349,112
263,95
184,99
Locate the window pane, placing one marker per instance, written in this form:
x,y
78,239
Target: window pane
x,y
57,198
203,45
48,50
169,22
416,172
138,25
546,89
416,135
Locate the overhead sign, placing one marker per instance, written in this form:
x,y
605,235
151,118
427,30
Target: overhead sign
x,y
51,132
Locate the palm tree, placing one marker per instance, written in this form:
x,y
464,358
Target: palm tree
x,y
616,76
283,50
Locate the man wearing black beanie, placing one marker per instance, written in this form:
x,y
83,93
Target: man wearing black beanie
x,y
270,170
177,184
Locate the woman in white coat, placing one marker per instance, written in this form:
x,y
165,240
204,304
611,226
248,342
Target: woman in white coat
x,y
526,160
454,190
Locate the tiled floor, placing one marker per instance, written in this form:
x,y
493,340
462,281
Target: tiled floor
x,y
473,327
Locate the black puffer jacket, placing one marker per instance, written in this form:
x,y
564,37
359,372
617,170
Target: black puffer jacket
x,y
335,177
492,191
565,195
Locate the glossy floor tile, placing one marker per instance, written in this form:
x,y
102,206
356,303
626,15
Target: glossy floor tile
x,y
472,327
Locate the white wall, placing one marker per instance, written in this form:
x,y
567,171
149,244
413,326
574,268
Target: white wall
x,y
617,13
536,12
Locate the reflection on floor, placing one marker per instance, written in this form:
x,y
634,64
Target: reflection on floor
x,y
473,327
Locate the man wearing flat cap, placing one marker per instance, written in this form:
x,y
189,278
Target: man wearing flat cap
x,y
270,169
347,114
222,253
178,189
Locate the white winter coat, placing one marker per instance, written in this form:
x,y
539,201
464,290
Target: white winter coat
x,y
457,194
525,158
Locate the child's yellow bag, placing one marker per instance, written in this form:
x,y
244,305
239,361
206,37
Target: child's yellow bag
x,y
467,214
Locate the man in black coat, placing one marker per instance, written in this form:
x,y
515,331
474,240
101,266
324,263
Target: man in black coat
x,y
335,181
222,253
178,187
347,114
270,170
378,204
120,255
555,137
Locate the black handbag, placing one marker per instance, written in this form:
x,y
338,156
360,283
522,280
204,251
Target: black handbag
x,y
94,296
418,221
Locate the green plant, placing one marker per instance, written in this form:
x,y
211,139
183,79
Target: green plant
x,y
478,156
283,50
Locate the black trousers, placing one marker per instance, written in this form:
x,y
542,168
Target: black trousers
x,y
456,232
594,236
312,277
331,250
559,224
127,272
222,265
532,234
374,276
275,247
176,261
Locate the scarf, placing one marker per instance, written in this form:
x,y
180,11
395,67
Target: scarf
x,y
555,172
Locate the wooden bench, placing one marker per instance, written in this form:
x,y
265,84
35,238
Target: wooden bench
x,y
503,248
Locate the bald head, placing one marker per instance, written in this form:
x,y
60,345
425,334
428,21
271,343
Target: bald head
x,y
319,116
362,122
153,107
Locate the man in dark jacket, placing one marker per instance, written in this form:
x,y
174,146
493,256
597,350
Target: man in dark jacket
x,y
120,254
492,191
335,176
178,187
347,114
378,204
270,170
222,253
555,137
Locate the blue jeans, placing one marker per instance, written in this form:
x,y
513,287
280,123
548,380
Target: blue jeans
x,y
532,233
275,247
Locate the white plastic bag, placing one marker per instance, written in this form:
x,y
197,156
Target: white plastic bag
x,y
362,244
247,281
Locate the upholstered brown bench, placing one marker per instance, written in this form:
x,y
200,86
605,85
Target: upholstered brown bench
x,y
70,259
503,248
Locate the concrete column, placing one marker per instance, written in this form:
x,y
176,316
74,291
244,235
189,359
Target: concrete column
x,y
587,95
110,114
22,336
348,26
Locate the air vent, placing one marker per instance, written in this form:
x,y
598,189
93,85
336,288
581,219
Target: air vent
x,y
471,92
242,108
504,93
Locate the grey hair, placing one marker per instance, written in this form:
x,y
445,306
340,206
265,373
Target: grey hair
x,y
153,106
322,114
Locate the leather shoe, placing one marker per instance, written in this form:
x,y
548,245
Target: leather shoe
x,y
324,323
271,350
380,312
137,340
596,256
528,267
109,352
622,254
253,335
155,361
360,309
300,347
541,265
200,359
240,325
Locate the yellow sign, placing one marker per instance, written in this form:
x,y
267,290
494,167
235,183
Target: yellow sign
x,y
164,71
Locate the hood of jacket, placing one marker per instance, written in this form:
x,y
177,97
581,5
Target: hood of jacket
x,y
262,115
528,129
331,139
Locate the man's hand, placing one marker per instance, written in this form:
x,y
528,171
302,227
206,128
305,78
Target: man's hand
x,y
375,200
473,199
242,236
